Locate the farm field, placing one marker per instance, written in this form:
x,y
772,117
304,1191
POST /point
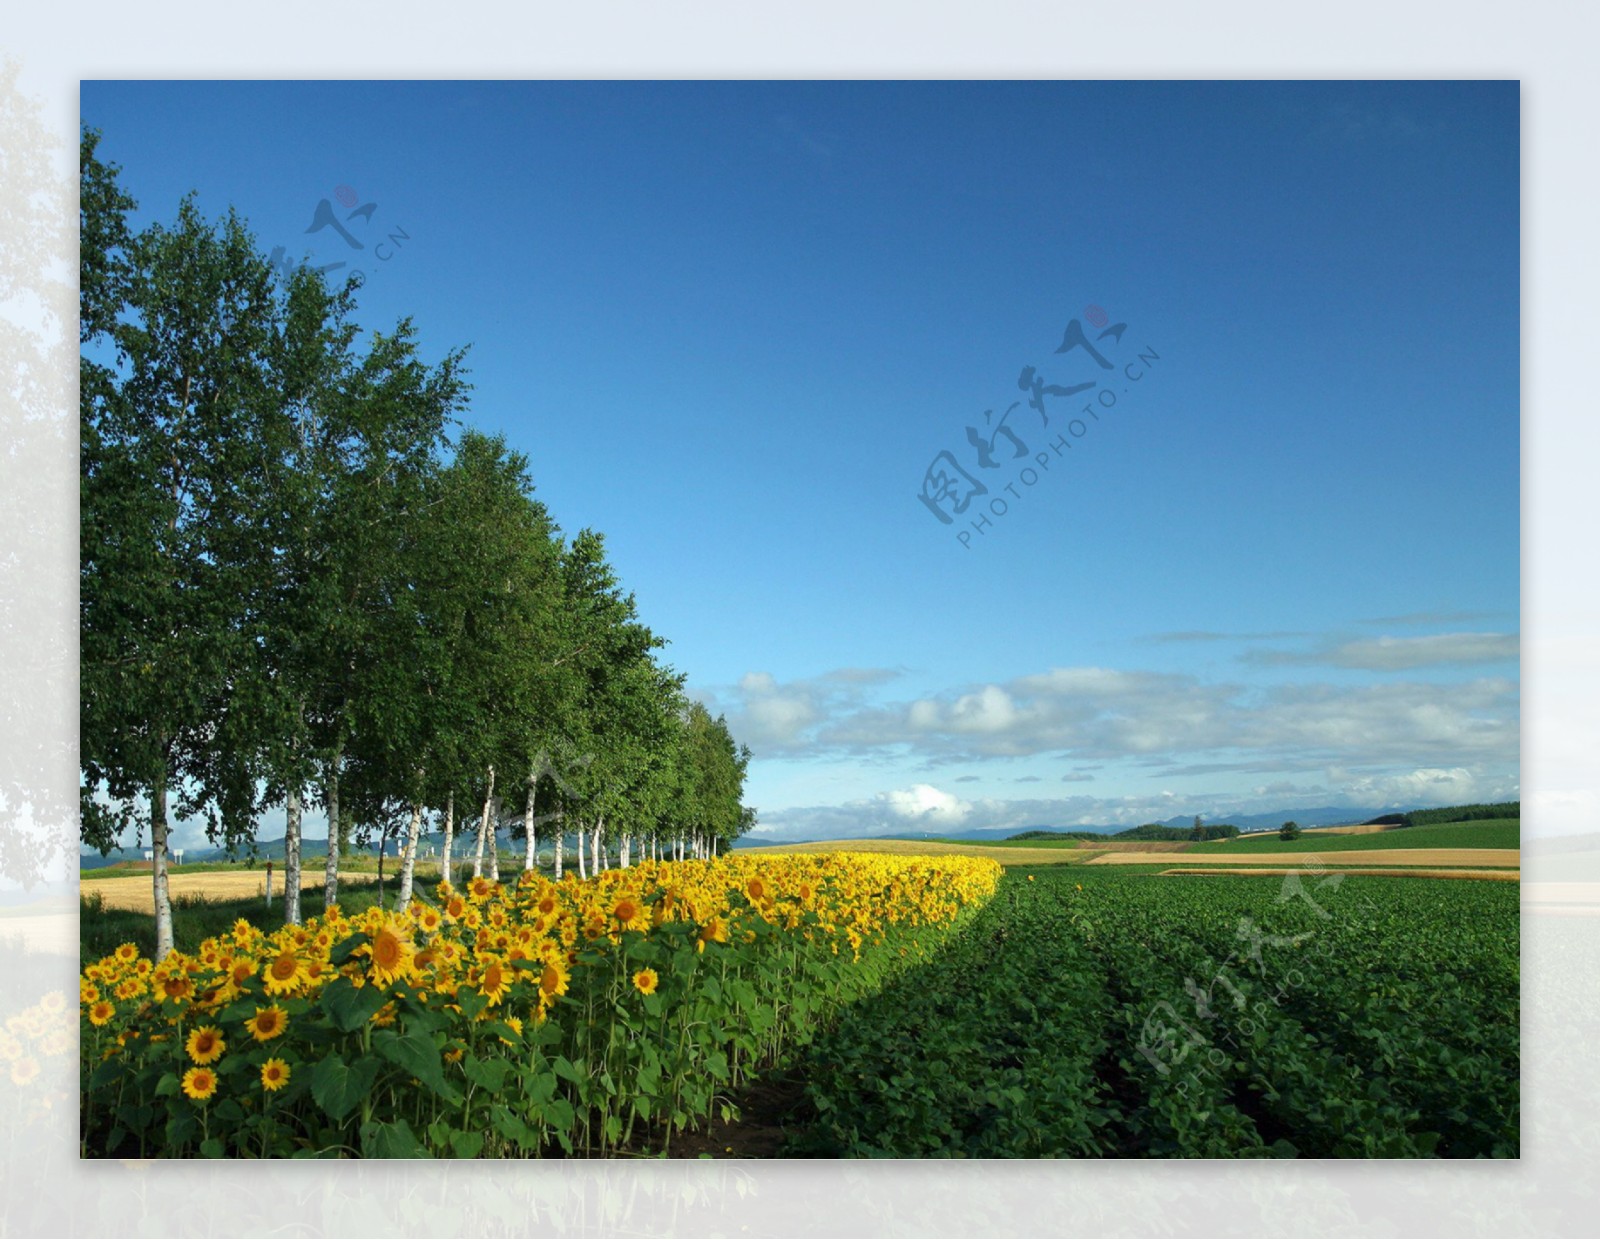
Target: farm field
x,y
589,1018
1503,833
1499,857
1005,855
866,1004
1410,871
133,892
1110,1014
1338,852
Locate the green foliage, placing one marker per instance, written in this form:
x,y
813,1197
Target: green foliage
x,y
1485,834
1464,813
1289,831
294,588
1126,1015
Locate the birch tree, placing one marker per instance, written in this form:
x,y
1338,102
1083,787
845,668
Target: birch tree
x,y
175,325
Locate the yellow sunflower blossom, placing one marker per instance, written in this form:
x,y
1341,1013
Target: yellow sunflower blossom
x,y
274,1075
267,1023
205,1045
199,1083
286,974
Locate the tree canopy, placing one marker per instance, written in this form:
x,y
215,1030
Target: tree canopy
x,y
304,581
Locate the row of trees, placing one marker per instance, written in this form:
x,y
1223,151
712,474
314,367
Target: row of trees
x,y
298,587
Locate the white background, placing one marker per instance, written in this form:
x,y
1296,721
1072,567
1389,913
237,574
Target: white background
x,y
1549,47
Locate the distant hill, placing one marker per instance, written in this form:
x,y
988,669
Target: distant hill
x,y
1450,813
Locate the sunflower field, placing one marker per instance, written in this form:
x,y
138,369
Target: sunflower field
x,y
571,1018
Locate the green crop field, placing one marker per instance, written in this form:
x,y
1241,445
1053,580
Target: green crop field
x,y
1491,833
1108,1014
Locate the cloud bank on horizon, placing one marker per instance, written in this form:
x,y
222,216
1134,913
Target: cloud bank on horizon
x,y
1157,743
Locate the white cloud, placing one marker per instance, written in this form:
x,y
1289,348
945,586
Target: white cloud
x,y
1395,654
924,802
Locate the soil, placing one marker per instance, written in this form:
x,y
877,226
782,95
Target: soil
x,y
771,1108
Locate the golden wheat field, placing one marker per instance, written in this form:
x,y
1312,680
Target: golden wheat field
x,y
918,848
134,892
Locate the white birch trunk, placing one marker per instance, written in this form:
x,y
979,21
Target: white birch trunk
x,y
449,836
622,854
483,827
494,844
598,827
408,857
527,824
561,842
291,860
158,867
583,848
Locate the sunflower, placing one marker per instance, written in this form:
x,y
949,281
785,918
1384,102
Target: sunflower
x,y
390,952
242,971
53,1002
494,982
547,904
714,931
274,1075
24,1070
553,979
429,919
630,913
456,908
285,974
482,888
645,981
756,889
199,1083
101,1012
179,987
206,1045
127,952
267,1023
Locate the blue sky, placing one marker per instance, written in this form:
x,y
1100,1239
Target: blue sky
x,y
732,324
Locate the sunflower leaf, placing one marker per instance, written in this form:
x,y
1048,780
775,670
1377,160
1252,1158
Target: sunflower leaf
x,y
415,1052
391,1140
349,1006
346,948
339,1088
